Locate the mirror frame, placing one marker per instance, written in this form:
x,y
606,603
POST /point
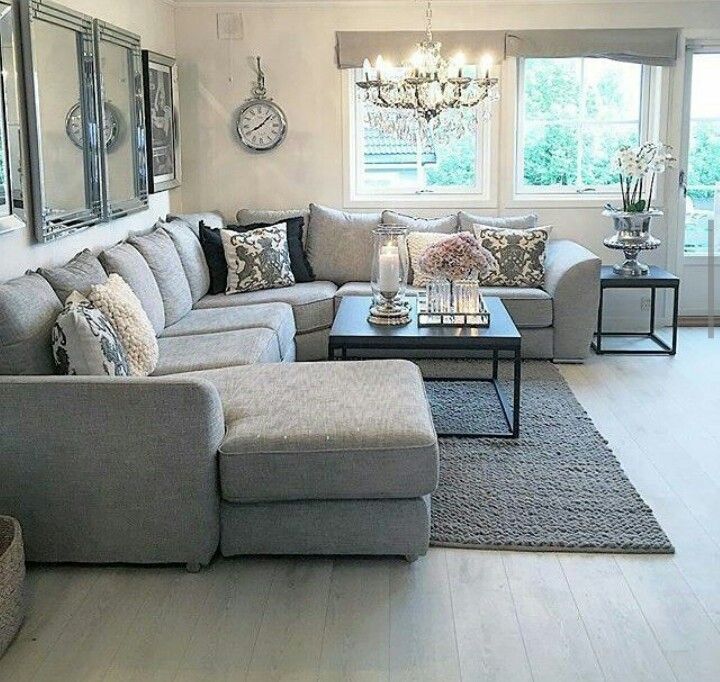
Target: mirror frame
x,y
105,32
17,217
48,226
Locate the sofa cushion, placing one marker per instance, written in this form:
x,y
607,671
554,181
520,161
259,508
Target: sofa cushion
x,y
340,244
275,316
85,343
529,308
180,354
521,222
28,310
312,303
79,274
161,255
125,260
212,219
192,257
447,224
330,430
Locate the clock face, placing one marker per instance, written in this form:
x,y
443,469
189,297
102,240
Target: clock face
x,y
74,126
261,125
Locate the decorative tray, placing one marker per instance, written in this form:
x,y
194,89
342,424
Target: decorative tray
x,y
451,318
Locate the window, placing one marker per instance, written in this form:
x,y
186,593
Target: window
x,y
573,115
387,167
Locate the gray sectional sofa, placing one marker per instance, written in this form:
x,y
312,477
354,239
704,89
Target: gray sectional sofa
x,y
231,442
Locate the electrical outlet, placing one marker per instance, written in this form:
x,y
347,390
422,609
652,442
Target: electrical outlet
x,y
645,303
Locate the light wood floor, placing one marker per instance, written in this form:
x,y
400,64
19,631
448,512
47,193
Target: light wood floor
x,y
456,614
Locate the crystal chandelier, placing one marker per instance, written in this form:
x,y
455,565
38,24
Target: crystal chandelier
x,y
433,99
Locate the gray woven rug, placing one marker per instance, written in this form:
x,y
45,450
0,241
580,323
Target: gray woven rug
x,y
557,488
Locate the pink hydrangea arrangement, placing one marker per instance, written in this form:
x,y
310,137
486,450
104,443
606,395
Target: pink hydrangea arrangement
x,y
457,257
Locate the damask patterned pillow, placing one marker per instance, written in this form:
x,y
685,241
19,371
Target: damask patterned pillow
x,y
520,255
258,259
84,342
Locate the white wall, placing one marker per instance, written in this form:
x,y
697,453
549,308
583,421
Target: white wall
x,y
153,20
297,42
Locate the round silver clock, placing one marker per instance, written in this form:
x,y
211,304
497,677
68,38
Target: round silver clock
x,y
74,125
261,124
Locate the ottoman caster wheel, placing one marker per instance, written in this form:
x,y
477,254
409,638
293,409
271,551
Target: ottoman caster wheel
x,y
411,558
193,566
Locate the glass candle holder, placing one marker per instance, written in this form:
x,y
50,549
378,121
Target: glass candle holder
x,y
390,265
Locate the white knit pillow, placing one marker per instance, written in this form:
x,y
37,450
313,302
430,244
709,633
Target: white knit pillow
x,y
125,312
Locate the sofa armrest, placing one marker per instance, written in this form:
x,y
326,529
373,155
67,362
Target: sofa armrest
x,y
572,278
101,469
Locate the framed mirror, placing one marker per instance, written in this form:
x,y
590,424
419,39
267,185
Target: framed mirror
x,y
12,138
63,136
122,131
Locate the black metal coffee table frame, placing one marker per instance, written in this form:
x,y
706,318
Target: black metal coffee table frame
x,y
352,333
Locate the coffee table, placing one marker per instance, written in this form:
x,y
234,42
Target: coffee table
x,y
351,333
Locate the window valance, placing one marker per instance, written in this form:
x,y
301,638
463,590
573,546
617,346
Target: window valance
x,y
397,46
652,46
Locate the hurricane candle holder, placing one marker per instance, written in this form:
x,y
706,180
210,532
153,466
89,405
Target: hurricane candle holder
x,y
389,276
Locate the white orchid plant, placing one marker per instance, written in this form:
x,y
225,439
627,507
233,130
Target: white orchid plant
x,y
639,168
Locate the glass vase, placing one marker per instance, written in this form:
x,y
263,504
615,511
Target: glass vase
x,y
390,265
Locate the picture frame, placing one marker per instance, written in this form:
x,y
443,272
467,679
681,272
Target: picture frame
x,y
163,123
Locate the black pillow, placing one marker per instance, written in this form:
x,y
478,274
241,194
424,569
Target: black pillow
x,y
299,262
212,247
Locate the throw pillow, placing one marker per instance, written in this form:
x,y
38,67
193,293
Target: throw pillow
x,y
124,311
521,222
212,247
259,259
417,242
301,268
340,244
84,343
78,274
161,255
520,255
448,224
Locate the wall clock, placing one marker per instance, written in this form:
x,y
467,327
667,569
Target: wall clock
x,y
74,125
261,124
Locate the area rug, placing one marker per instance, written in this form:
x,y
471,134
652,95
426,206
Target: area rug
x,y
558,487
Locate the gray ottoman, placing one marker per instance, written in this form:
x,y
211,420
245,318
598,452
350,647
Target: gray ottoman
x,y
326,458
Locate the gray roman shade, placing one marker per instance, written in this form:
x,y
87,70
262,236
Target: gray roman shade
x,y
652,46
398,46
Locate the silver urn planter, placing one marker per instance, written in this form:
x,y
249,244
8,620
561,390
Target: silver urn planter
x,y
632,235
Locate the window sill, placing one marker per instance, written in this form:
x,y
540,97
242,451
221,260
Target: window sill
x,y
563,201
423,201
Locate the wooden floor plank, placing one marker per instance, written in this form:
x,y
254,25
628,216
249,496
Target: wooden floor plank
x,y
490,644
422,638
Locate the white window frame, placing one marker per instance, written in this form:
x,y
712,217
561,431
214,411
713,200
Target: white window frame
x,y
483,195
574,196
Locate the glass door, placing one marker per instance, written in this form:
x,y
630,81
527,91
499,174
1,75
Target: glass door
x,y
700,183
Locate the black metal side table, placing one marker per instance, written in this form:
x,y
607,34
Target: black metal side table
x,y
657,278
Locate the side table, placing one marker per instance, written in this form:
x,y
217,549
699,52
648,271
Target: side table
x,y
657,278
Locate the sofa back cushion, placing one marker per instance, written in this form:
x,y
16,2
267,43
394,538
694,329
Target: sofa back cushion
x,y
520,222
161,255
125,260
28,310
446,225
340,244
79,274
212,219
191,255
253,216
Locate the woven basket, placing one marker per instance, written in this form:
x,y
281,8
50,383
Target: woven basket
x,y
12,580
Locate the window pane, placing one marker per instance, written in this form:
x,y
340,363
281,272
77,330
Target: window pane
x,y
600,145
612,90
389,163
552,88
551,152
454,163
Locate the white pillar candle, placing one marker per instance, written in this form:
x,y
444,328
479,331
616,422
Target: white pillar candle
x,y
389,269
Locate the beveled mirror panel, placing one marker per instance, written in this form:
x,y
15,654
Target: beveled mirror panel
x,y
58,49
12,140
123,131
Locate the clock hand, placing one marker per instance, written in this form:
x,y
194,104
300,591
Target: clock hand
x,y
261,124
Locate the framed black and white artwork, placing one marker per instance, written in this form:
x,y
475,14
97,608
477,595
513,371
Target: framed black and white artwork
x,y
161,113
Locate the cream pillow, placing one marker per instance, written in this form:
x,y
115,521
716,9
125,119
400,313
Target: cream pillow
x,y
417,242
122,308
